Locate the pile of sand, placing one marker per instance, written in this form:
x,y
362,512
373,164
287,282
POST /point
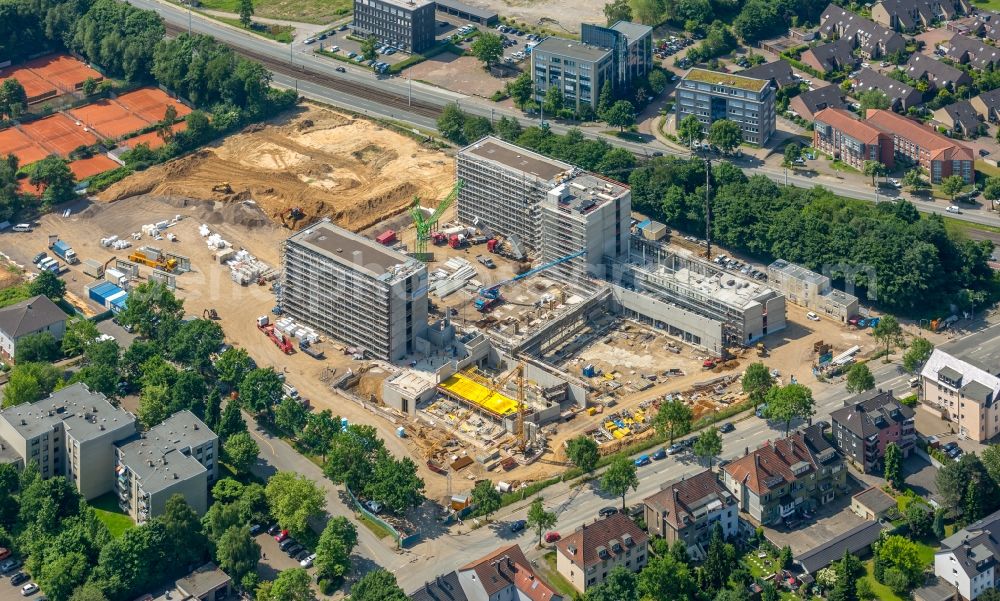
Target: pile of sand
x,y
326,163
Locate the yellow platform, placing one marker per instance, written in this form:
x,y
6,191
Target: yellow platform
x,y
475,393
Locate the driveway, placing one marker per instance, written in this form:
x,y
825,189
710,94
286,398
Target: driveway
x,y
831,521
921,477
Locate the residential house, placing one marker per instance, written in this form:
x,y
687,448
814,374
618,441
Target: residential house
x,y
786,477
873,503
689,507
807,104
970,51
959,117
838,133
940,155
965,394
72,433
967,559
987,105
207,583
779,73
833,56
908,15
901,96
586,557
36,315
938,74
503,575
871,39
868,423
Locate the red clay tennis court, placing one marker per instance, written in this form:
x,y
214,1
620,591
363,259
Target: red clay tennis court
x,y
18,144
85,168
151,103
60,133
64,71
151,139
108,118
35,88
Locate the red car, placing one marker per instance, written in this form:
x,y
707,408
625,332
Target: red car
x,y
552,537
281,536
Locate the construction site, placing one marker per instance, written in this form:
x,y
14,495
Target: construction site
x,y
474,351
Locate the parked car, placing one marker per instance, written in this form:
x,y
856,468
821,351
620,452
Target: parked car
x,y
255,529
983,152
949,446
281,536
373,506
812,316
607,511
29,589
9,566
273,529
285,544
660,453
340,70
308,561
727,427
552,537
39,257
518,525
18,578
294,550
675,448
642,460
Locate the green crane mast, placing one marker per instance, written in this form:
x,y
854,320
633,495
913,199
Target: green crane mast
x,y
425,224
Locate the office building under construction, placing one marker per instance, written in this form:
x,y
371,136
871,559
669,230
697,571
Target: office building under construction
x,y
355,290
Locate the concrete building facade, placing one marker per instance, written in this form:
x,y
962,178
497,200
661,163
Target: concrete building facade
x,y
711,95
405,24
811,290
631,45
964,393
71,433
576,68
358,291
177,457
504,186
586,212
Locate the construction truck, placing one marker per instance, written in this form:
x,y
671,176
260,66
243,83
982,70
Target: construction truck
x,y
486,261
63,250
295,214
280,340
152,257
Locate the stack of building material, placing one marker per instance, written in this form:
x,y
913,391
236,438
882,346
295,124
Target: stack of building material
x,y
452,277
121,244
301,333
247,269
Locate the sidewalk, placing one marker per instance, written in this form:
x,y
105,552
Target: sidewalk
x,y
302,30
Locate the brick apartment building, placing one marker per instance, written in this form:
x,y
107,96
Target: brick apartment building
x,y
867,423
940,155
837,133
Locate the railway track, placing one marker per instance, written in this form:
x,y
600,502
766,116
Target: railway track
x,y
358,90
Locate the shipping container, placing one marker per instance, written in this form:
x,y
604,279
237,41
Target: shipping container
x,y
94,269
101,292
387,237
118,303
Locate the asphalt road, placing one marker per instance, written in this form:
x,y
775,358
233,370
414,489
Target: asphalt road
x,y
302,57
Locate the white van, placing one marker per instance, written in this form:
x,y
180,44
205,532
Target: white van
x,y
22,227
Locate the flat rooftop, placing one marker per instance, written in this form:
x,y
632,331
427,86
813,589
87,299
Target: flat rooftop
x,y
517,158
353,250
83,413
482,13
408,4
157,457
633,31
797,271
571,48
718,78
585,192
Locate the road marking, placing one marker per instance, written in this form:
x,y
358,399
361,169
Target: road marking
x,y
264,440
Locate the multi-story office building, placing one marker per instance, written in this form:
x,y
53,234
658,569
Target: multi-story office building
x,y
688,509
354,289
711,95
787,476
940,155
504,186
811,290
694,299
576,68
837,133
178,457
586,212
867,423
405,24
965,394
630,43
71,433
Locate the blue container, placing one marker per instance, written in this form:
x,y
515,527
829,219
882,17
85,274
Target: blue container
x,y
102,292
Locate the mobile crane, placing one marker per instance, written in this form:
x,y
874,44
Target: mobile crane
x,y
490,297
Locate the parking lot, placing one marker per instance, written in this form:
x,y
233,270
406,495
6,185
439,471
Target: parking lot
x,y
830,521
10,592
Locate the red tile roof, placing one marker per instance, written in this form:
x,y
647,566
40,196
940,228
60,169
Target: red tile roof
x,y
681,498
508,566
770,466
845,122
940,147
582,546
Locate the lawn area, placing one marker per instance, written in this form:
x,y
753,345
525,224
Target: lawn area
x,y
302,11
882,592
957,226
111,514
376,528
553,577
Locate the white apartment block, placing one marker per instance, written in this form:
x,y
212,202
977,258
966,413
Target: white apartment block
x,y
71,433
968,559
178,457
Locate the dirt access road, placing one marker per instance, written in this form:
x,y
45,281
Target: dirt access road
x,y
324,162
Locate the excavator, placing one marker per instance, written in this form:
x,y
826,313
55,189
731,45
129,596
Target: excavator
x,y
224,187
296,214
210,314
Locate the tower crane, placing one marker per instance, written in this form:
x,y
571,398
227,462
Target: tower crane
x,y
425,223
490,297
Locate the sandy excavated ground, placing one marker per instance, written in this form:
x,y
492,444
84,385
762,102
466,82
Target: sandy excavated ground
x,y
324,162
557,15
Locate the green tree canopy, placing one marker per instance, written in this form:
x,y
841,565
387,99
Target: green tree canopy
x,y
620,115
377,585
241,451
789,402
860,378
708,445
488,48
47,284
873,99
619,477
757,381
539,518
952,185
888,333
246,13
38,347
673,419
237,553
29,382
893,462
260,390
369,48
486,498
294,500
689,130
919,351
725,134
583,453
333,553
153,310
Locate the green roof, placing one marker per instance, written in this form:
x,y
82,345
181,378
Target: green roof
x,y
749,84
